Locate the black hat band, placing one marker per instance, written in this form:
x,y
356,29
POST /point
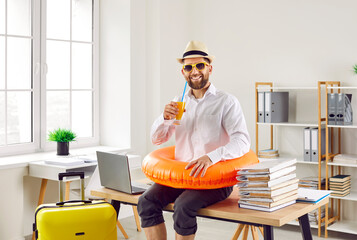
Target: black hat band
x,y
194,52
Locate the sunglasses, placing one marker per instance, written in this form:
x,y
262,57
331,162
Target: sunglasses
x,y
199,66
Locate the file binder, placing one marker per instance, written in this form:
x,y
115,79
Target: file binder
x,y
261,107
315,143
332,108
307,145
276,107
344,109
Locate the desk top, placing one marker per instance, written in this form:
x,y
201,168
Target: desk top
x,y
40,169
228,209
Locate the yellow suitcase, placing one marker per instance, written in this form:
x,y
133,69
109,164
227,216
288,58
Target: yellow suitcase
x,y
78,219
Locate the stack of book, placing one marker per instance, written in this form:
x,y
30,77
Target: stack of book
x,y
340,185
268,153
311,183
345,158
314,216
269,185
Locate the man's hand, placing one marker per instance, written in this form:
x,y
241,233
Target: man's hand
x,y
200,164
170,111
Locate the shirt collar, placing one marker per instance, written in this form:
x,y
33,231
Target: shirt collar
x,y
211,90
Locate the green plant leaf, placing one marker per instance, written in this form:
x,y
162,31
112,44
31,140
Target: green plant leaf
x,y
355,68
61,135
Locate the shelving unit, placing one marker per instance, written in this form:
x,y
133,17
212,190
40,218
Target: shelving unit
x,y
333,220
336,168
268,86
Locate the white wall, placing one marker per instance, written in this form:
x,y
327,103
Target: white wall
x,y
290,43
11,188
115,74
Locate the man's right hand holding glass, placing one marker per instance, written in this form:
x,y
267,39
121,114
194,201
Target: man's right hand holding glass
x,y
171,110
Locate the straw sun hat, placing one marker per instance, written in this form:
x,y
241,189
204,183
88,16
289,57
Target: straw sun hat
x,y
195,49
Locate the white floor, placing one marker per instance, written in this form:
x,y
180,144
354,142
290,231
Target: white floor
x,y
219,230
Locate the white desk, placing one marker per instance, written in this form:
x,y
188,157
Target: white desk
x,y
40,169
47,172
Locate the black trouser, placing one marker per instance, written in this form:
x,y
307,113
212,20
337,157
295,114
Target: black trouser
x,y
187,203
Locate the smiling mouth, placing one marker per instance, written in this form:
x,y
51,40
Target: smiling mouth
x,y
196,79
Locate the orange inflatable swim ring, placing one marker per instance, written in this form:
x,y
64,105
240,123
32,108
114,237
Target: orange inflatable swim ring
x,y
161,167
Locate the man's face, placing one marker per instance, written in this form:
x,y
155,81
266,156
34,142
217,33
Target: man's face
x,y
197,79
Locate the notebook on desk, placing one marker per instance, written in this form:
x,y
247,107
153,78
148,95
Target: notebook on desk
x,y
114,173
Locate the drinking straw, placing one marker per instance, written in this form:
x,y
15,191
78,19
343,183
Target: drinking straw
x,y
184,90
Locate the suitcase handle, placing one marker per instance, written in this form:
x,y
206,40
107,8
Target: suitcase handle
x,y
70,174
73,201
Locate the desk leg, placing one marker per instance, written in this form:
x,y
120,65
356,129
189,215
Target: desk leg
x,y
42,191
268,232
41,197
305,227
137,220
116,205
68,189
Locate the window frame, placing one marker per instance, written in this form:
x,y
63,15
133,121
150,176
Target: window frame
x,y
39,70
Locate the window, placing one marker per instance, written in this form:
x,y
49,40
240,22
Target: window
x,y
47,72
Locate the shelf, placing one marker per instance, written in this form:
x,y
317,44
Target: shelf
x,y
339,226
301,161
342,164
286,88
341,87
343,126
344,226
350,197
291,124
296,223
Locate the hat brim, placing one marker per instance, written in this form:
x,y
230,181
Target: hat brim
x,y
210,58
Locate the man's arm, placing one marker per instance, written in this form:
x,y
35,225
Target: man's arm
x,y
162,129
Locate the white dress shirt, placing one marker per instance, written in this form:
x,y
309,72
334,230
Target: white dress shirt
x,y
213,125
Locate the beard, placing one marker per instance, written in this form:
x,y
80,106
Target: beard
x,y
198,85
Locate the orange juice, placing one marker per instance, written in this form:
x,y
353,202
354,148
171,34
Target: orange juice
x,y
181,108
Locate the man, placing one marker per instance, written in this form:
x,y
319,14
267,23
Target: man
x,y
212,129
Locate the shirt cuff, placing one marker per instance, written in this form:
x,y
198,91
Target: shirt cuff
x,y
166,122
214,156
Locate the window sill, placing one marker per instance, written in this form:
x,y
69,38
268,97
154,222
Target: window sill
x,y
23,160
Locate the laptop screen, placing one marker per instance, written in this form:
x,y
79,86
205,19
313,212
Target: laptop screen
x,y
114,171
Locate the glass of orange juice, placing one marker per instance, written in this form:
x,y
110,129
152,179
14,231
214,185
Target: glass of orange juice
x,y
181,109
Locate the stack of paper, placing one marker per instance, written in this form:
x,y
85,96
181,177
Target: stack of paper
x,y
345,158
268,153
268,186
311,183
65,161
340,185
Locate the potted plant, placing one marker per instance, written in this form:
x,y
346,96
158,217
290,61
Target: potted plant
x,y
62,137
355,68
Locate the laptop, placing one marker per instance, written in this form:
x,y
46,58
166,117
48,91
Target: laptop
x,y
114,173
